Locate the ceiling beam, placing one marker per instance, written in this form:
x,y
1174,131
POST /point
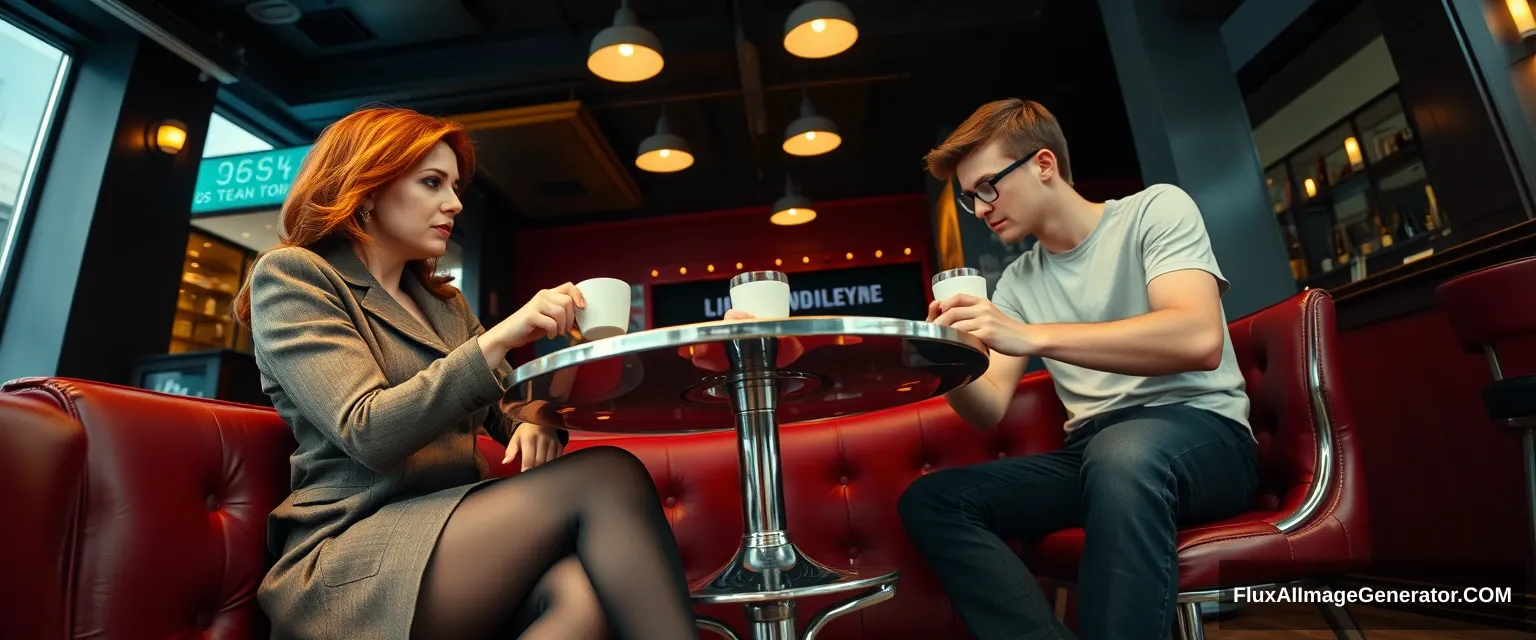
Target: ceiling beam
x,y
749,12
1208,10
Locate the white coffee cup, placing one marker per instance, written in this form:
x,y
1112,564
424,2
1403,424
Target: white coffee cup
x,y
764,294
956,281
607,312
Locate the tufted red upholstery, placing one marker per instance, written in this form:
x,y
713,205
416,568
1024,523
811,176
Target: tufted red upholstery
x,y
151,547
1491,305
42,454
841,481
1251,549
170,519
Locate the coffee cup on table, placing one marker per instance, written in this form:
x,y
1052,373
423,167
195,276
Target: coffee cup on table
x,y
763,294
956,281
607,311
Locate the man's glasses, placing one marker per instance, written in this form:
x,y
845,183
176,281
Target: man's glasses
x,y
986,190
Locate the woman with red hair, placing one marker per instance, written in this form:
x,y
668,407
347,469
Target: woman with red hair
x,y
392,529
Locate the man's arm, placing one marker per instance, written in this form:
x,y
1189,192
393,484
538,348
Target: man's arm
x,y
982,403
1183,332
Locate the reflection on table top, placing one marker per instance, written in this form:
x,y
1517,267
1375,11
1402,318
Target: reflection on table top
x,y
675,379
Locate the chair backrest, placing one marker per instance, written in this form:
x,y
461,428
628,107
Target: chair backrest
x,y
1310,469
42,463
1491,305
170,525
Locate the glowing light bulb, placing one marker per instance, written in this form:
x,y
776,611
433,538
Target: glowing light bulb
x,y
818,25
666,153
626,50
810,135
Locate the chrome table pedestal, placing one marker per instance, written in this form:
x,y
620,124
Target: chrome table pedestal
x,y
769,572
756,373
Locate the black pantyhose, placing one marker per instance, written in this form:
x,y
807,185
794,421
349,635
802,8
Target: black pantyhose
x,y
598,505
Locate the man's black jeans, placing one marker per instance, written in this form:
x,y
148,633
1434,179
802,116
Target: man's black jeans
x,y
1129,478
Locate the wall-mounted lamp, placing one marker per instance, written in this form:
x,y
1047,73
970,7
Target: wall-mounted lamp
x,y
1520,10
168,136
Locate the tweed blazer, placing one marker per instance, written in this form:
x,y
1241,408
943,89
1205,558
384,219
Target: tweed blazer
x,y
386,412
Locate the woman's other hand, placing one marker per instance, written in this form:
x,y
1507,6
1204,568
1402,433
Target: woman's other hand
x,y
538,444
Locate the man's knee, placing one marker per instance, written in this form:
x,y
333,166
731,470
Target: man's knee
x,y
929,498
1125,463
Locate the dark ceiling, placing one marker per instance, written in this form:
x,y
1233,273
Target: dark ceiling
x,y
918,68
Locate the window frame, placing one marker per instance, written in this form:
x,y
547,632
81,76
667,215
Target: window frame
x,y
14,242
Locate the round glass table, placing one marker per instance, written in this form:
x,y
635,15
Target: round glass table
x,y
751,376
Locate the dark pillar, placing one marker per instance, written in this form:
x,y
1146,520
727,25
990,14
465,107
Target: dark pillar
x,y
1191,129
97,283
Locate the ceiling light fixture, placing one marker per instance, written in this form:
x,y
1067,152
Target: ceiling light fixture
x,y
793,208
625,52
664,151
819,29
810,134
273,12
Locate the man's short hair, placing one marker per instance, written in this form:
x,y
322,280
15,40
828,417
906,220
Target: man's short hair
x,y
1022,126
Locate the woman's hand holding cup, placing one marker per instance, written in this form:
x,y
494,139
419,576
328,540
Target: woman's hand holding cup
x,y
551,312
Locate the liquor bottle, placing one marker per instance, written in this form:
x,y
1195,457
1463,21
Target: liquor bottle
x,y
1432,217
1298,257
1405,228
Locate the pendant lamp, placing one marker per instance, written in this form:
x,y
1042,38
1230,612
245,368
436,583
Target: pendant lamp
x,y
664,151
793,208
819,29
625,52
810,134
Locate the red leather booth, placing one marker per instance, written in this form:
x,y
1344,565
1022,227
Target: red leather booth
x,y
144,514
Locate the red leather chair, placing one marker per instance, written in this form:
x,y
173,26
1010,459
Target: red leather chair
x,y
41,452
166,500
1310,519
1488,307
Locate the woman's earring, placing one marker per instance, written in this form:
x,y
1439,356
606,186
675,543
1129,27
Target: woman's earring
x,y
364,213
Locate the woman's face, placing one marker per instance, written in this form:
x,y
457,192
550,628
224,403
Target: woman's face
x,y
413,214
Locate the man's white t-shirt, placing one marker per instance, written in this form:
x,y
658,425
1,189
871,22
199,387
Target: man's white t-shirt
x,y
1154,232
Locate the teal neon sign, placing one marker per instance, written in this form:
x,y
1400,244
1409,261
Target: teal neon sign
x,y
247,181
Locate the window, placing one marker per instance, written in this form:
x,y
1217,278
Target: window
x,y
30,82
226,138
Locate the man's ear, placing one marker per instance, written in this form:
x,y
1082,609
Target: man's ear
x,y
1049,169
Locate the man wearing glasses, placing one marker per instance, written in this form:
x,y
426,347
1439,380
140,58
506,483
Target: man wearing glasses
x,y
1122,302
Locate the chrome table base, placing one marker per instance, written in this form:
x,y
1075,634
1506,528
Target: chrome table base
x,y
769,573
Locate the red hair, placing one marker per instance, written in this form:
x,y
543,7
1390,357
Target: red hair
x,y
354,157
